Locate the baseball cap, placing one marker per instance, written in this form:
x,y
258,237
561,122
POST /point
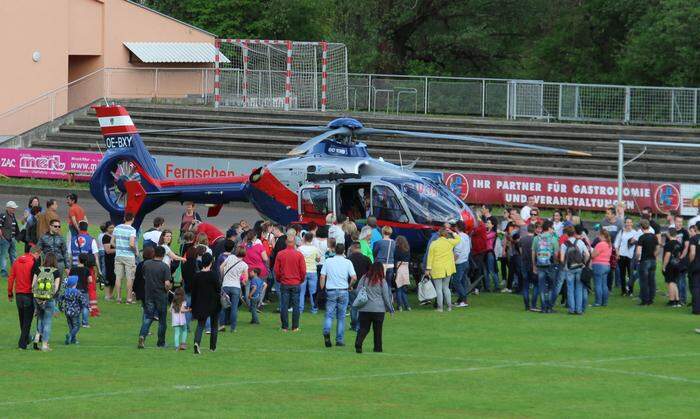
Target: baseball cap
x,y
11,204
72,280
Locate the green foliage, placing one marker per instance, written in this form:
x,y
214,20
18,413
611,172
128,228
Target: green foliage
x,y
594,41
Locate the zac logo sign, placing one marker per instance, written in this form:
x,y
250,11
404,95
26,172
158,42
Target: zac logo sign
x,y
48,164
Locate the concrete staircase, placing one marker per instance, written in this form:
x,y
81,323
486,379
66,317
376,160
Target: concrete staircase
x,y
665,164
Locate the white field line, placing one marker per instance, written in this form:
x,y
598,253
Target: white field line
x,y
262,382
516,364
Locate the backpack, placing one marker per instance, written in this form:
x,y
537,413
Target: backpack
x,y
573,258
544,254
44,289
675,264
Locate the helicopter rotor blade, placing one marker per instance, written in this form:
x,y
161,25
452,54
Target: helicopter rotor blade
x,y
470,138
238,127
308,145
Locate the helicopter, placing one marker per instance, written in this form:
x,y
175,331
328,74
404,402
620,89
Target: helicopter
x,y
332,172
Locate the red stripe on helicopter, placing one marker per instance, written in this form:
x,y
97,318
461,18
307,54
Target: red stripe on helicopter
x,y
271,186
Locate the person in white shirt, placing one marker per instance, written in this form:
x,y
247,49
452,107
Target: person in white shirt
x,y
460,279
165,240
312,256
525,211
337,275
625,243
335,231
694,220
234,271
154,233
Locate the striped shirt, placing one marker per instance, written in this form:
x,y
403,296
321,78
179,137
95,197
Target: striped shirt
x,y
122,234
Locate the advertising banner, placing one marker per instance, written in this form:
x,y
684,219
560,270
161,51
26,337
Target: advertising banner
x,y
183,167
48,164
690,195
561,192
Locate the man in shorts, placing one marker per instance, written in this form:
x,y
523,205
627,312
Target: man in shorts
x,y
124,241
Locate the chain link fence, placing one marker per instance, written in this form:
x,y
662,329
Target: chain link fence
x,y
522,99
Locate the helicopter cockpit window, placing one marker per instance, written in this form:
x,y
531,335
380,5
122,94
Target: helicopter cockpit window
x,y
429,204
386,206
316,202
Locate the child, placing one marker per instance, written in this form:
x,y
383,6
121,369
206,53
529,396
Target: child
x,y
257,290
177,313
73,302
84,279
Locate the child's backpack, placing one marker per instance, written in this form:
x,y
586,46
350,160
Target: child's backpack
x,y
44,289
544,253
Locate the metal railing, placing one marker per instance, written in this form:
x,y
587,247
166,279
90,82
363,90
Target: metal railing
x,y
380,93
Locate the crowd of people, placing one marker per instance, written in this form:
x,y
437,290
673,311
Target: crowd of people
x,y
363,273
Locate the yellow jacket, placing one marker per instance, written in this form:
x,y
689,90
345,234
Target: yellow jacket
x,y
441,258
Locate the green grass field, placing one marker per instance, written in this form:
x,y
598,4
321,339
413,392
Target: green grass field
x,y
490,360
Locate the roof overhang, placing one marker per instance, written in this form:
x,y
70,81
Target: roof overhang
x,y
174,52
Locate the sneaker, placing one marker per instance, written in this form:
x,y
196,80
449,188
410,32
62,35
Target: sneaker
x,y
196,349
409,308
358,349
142,342
296,330
212,350
222,328
289,310
339,344
462,304
67,341
476,291
87,326
697,330
208,332
45,347
327,340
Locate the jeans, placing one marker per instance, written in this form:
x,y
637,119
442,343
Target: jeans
x,y
354,311
44,315
682,287
9,248
101,261
290,297
459,281
558,283
647,280
180,335
311,282
155,308
624,265
214,321
73,328
530,280
254,303
546,279
25,310
375,320
234,294
188,315
336,305
85,314
574,290
402,297
600,279
442,288
634,275
515,275
491,271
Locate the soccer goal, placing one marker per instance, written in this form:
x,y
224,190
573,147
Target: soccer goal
x,y
281,74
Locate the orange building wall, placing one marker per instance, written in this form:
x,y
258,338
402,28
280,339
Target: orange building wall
x,y
74,38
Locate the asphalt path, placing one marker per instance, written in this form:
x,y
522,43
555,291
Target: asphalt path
x,y
171,211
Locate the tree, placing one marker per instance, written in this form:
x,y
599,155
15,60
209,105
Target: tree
x,y
663,46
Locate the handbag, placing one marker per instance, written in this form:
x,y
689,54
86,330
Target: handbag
x,y
586,277
426,289
361,298
225,300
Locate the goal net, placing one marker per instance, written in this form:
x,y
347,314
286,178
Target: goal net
x,y
281,74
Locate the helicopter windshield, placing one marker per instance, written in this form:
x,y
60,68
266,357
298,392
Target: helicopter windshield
x,y
429,203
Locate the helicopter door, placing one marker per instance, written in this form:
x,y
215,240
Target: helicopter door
x,y
315,202
386,205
